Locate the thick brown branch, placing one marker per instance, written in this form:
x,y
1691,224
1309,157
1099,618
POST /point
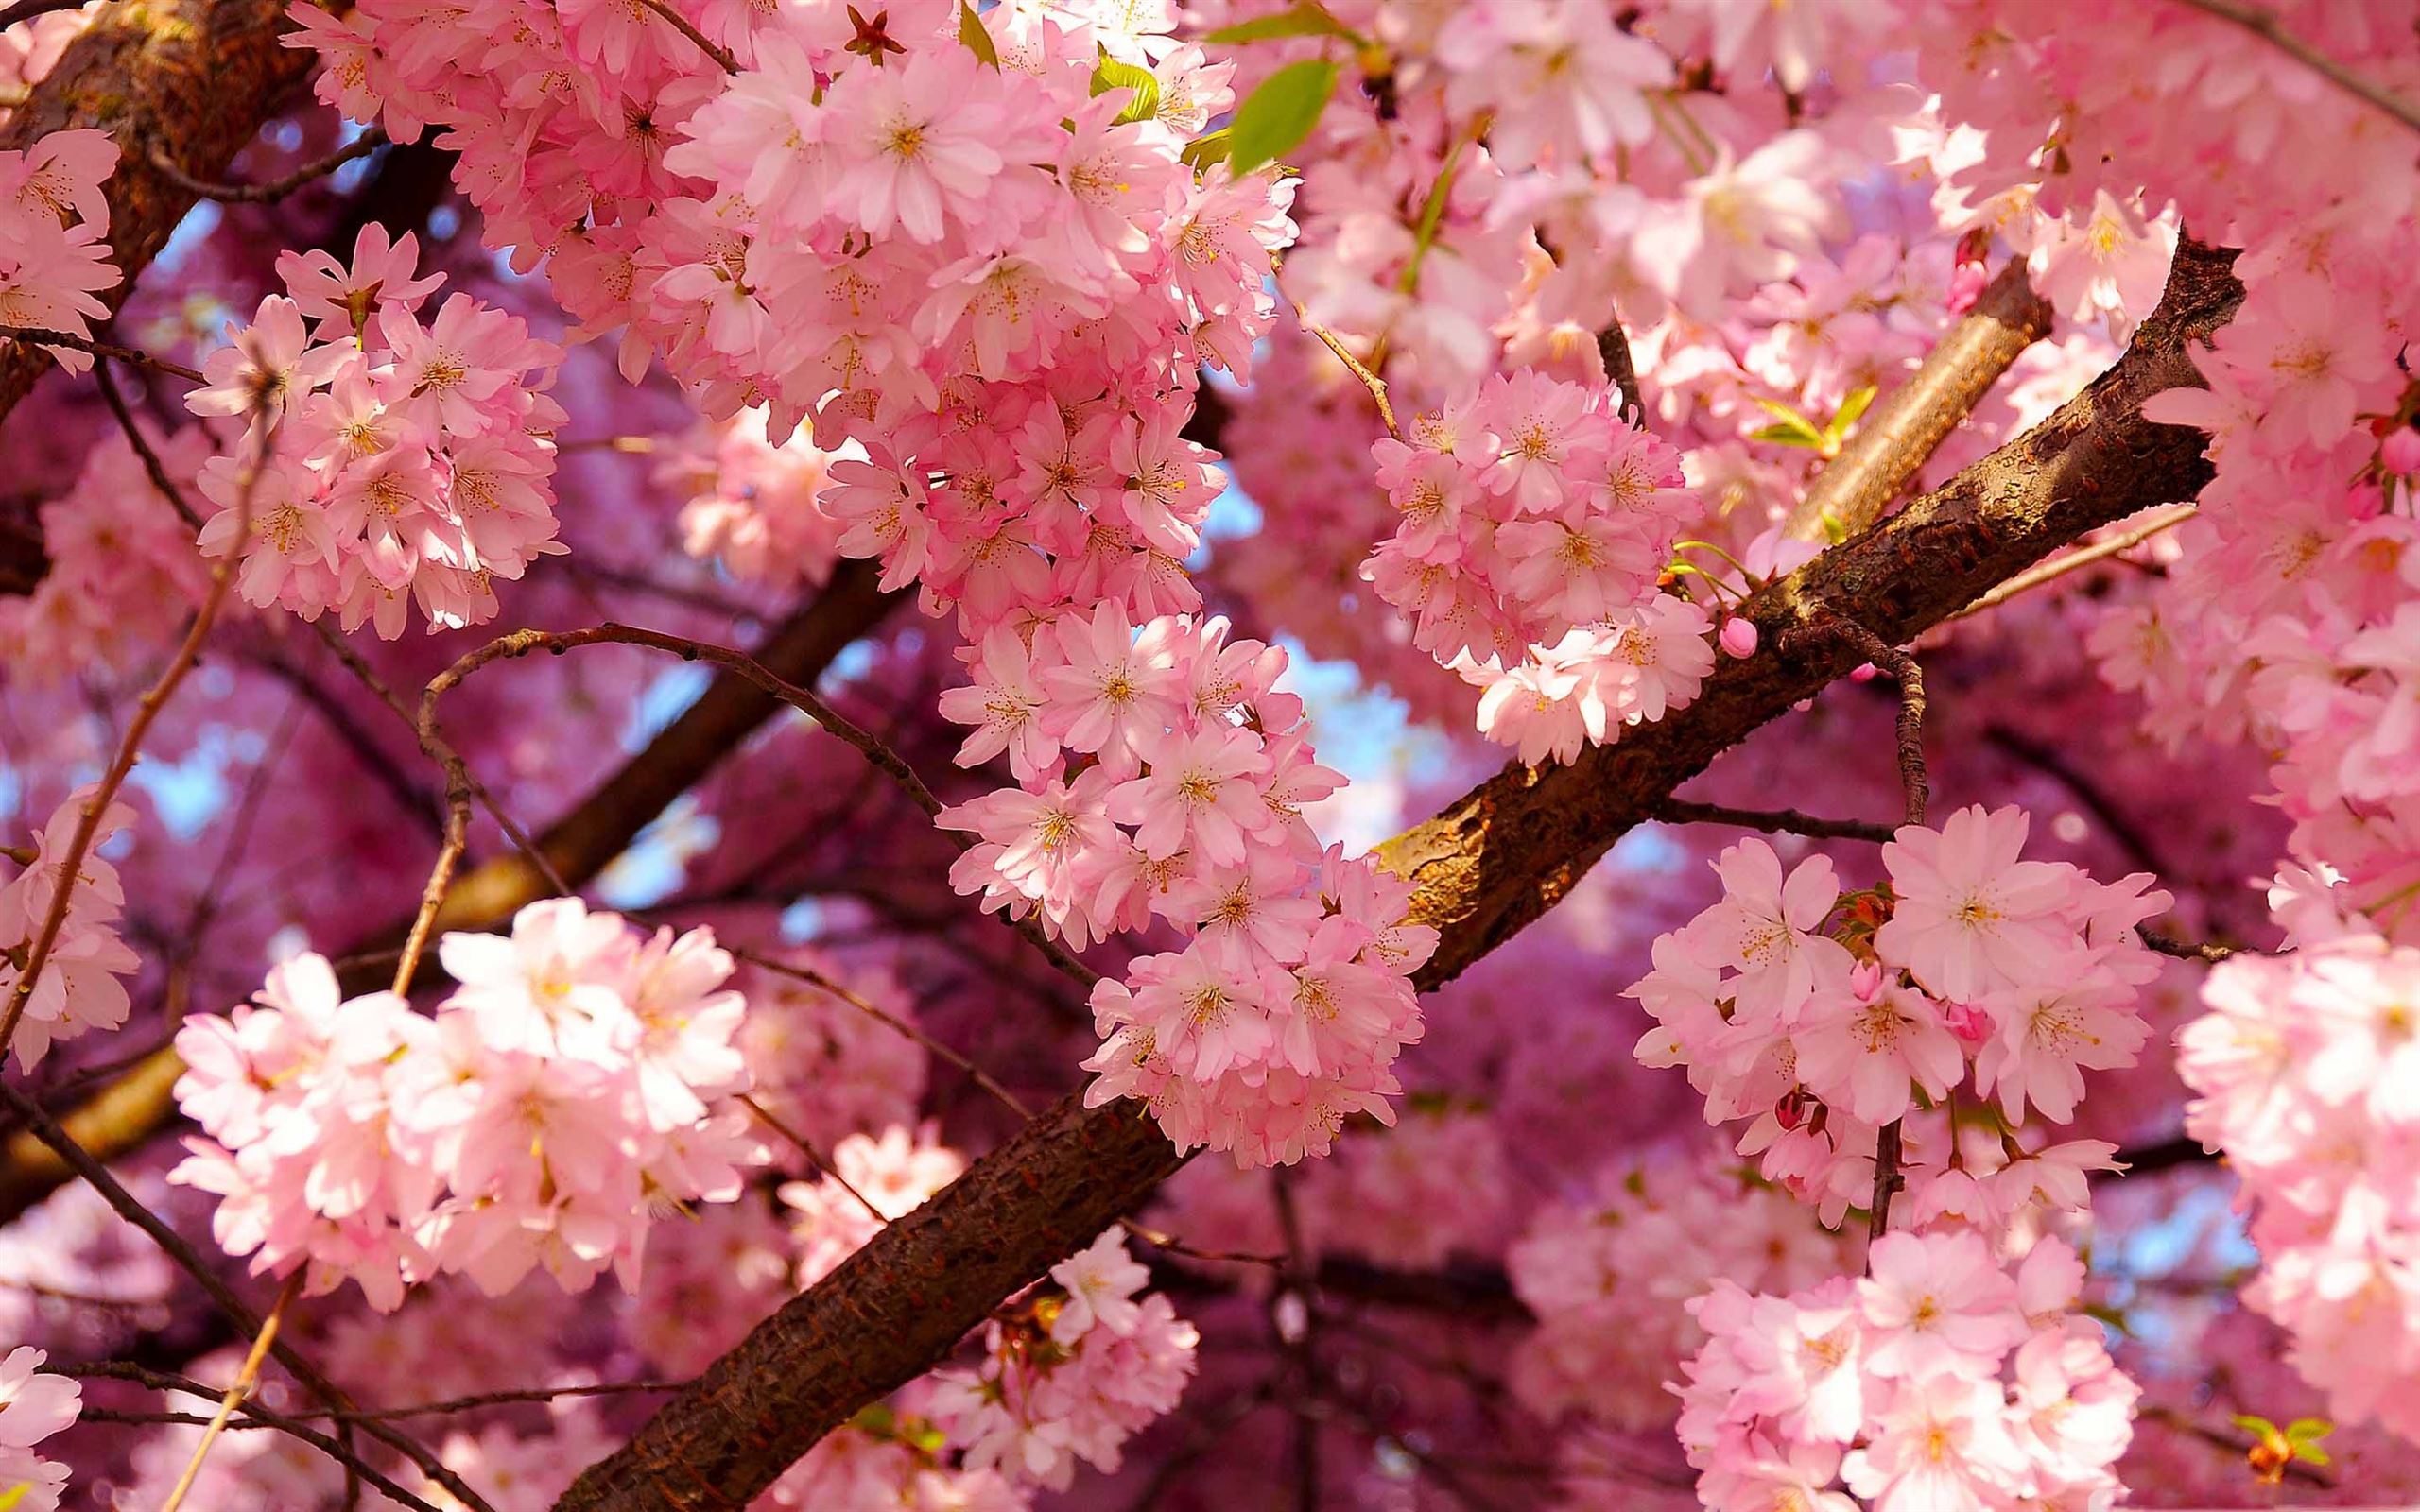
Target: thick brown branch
x,y
137,1107
1903,430
1485,868
202,75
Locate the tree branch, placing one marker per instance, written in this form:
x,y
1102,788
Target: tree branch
x,y
201,74
1485,868
2264,24
1901,432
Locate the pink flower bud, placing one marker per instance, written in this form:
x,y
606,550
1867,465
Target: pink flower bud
x,y
1968,1021
1738,637
1966,284
2399,453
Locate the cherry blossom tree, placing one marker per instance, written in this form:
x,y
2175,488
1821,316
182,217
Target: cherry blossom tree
x,y
999,754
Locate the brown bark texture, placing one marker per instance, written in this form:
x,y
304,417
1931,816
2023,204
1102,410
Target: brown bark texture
x,y
137,1105
196,78
1485,868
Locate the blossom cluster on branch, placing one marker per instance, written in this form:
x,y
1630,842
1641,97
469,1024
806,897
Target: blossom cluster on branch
x,y
576,1085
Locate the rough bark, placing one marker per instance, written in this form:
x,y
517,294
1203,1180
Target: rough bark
x,y
137,1105
195,77
1912,420
1486,866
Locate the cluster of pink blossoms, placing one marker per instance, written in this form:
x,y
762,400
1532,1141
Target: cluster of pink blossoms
x,y
33,1406
1529,510
2307,1067
78,988
1941,1381
55,237
1535,525
753,505
123,574
1077,1380
1164,778
1820,1023
576,1085
407,461
1611,1278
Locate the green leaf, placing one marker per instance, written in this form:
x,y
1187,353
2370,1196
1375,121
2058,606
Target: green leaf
x,y
1205,150
978,36
1305,19
1109,74
1275,118
1795,433
2311,1454
1784,414
2252,1423
1835,529
1431,212
1852,408
2305,1429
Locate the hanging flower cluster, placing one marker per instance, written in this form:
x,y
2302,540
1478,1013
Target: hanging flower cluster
x,y
1941,1381
2307,1067
1820,1019
577,1085
79,989
1536,523
407,461
1073,1376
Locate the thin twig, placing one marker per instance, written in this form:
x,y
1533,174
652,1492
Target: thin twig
x,y
1914,780
1887,1183
1174,1246
2191,950
1772,821
37,335
87,818
1613,347
705,44
2057,567
275,189
2263,23
368,676
816,1157
236,1390
257,1415
875,1012
522,643
135,438
1371,380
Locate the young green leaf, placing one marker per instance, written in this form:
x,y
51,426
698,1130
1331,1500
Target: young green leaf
x,y
1790,433
1852,409
978,36
1276,117
2305,1429
2253,1423
1109,74
1205,150
1305,20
